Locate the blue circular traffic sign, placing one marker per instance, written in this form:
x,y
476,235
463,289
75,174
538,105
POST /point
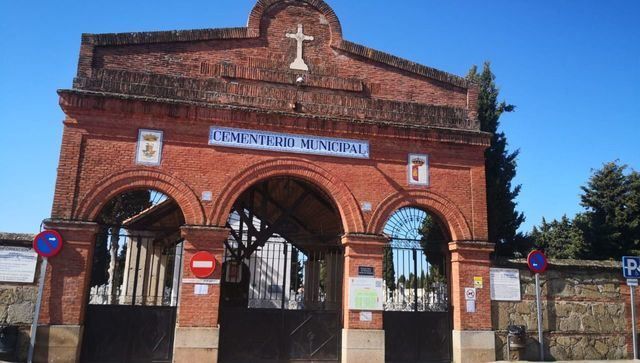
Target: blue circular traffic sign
x,y
47,243
537,262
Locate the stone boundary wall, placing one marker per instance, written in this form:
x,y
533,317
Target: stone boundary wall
x,y
586,312
17,301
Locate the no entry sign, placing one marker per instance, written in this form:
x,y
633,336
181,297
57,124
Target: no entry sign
x,y
203,264
47,243
537,262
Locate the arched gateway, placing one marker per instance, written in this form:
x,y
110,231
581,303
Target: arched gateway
x,y
298,160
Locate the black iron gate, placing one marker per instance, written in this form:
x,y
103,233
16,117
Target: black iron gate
x,y
417,317
282,304
131,313
281,292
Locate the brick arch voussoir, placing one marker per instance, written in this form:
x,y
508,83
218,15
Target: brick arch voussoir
x,y
115,184
337,190
262,6
442,207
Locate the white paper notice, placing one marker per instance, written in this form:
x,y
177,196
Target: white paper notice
x,y
505,284
17,264
201,289
366,316
471,306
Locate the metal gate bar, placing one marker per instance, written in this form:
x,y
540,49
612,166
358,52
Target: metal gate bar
x,y
132,309
417,318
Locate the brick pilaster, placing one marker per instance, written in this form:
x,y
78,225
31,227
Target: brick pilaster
x,y
200,310
361,250
468,260
68,274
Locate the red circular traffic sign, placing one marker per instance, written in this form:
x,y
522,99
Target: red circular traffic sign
x,y
203,264
47,243
537,262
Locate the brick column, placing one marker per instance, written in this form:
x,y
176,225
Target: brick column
x,y
197,329
65,292
362,341
473,338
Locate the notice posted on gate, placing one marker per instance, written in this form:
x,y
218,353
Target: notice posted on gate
x,y
365,293
17,264
505,284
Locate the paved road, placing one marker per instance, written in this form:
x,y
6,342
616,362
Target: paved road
x,y
578,361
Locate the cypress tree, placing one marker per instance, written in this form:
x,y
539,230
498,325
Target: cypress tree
x,y
500,167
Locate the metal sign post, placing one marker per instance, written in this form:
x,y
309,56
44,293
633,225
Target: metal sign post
x,y
632,291
631,272
34,325
537,262
539,308
47,244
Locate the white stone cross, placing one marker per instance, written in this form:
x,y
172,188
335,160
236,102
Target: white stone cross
x,y
299,63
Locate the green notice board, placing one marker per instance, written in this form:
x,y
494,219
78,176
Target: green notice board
x,y
365,293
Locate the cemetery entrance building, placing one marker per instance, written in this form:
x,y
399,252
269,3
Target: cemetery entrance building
x,y
268,193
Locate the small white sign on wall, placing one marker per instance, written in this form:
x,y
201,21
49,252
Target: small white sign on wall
x,y
149,149
201,289
418,169
17,264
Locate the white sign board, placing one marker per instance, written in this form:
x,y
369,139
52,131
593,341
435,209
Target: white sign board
x,y
17,264
365,293
201,289
201,281
505,284
470,293
366,316
291,143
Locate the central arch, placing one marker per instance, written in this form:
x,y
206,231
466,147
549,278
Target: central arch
x,y
282,272
338,191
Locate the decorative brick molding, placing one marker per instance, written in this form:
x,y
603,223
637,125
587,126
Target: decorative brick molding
x,y
344,200
216,91
233,71
441,206
78,102
113,185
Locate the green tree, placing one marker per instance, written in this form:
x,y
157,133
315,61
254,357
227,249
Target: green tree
x,y
611,221
101,259
503,219
560,239
389,272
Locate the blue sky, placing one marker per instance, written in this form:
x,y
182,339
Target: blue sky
x,y
572,67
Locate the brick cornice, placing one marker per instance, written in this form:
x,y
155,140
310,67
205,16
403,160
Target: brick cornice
x,y
77,103
217,91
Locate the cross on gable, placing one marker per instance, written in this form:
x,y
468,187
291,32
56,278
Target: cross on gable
x,y
300,37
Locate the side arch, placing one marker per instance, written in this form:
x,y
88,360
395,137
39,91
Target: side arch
x,y
117,183
442,207
346,203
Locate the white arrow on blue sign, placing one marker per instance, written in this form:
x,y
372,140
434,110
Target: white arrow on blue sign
x,y
631,267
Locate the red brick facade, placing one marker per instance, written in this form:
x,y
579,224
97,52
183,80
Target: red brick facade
x,y
185,82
